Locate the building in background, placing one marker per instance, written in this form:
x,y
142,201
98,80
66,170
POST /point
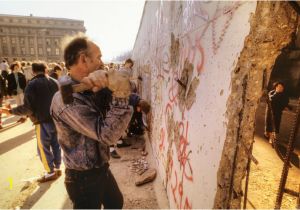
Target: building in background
x,y
31,38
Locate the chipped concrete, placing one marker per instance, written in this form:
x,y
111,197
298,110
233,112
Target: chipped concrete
x,y
187,87
272,27
174,50
219,51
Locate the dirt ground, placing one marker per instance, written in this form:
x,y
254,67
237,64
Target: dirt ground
x,y
265,177
20,166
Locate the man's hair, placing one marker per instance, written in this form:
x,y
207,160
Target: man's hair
x,y
39,67
16,63
275,84
57,68
129,61
145,106
73,49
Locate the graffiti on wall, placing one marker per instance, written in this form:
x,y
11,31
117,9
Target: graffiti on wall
x,y
176,58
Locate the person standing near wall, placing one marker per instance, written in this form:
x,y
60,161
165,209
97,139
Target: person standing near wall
x,y
85,134
37,100
279,100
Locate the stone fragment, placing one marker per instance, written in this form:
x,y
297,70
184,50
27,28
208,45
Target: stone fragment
x,y
148,176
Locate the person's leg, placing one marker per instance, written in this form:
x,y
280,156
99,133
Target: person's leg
x,y
44,141
1,101
21,97
56,150
85,191
17,99
268,124
277,119
112,196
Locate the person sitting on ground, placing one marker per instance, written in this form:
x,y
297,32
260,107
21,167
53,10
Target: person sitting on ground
x,y
37,100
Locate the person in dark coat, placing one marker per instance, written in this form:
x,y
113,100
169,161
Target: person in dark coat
x,y
279,100
16,83
38,96
2,90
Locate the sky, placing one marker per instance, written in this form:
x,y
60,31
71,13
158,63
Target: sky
x,y
113,24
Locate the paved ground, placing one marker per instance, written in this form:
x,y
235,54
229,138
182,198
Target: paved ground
x,y
20,166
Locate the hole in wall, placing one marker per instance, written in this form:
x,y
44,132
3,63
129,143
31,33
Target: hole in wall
x,y
264,178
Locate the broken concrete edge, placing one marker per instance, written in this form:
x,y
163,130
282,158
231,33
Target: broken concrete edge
x,y
159,188
275,20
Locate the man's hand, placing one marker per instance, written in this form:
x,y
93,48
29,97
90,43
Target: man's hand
x,y
6,111
96,80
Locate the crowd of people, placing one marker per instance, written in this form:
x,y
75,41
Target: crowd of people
x,y
97,122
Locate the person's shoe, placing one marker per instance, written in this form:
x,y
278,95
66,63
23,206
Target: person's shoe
x,y
123,144
57,171
114,154
48,177
22,120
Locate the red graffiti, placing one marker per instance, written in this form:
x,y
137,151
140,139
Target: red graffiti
x,y
172,95
187,204
162,139
174,187
194,51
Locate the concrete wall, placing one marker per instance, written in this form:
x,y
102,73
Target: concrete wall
x,y
198,43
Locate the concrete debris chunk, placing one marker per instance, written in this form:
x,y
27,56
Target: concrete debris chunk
x,y
148,176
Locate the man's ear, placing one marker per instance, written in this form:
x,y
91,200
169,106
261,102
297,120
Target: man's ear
x,y
82,58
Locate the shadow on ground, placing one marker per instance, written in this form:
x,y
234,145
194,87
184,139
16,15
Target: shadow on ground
x,y
16,141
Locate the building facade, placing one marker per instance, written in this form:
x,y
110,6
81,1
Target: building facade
x,y
29,38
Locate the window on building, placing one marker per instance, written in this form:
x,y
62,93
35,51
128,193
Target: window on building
x,y
31,51
48,51
13,40
23,50
48,42
40,41
40,51
4,40
14,30
56,51
1,30
22,41
31,42
5,50
13,50
56,42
